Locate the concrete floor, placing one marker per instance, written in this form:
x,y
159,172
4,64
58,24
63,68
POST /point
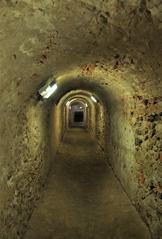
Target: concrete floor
x,y
83,199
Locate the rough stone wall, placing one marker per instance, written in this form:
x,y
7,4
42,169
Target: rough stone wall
x,y
135,152
101,130
24,165
121,143
147,125
92,119
57,127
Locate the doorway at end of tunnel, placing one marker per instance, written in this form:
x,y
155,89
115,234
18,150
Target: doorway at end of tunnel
x,y
77,115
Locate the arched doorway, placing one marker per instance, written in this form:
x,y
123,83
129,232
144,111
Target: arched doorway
x,y
77,111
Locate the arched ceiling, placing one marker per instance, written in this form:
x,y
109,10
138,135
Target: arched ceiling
x,y
78,87
81,95
120,39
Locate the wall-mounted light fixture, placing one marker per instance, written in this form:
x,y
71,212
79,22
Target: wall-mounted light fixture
x,y
48,88
93,98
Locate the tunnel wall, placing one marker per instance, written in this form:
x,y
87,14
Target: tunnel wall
x,y
134,152
121,142
101,123
25,158
57,127
147,124
92,119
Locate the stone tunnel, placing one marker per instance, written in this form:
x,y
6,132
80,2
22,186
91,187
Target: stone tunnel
x,y
86,162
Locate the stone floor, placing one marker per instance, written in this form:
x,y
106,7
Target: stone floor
x,y
83,199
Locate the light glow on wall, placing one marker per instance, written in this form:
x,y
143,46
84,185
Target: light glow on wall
x,y
68,103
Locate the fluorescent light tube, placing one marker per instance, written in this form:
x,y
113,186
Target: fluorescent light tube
x,y
49,91
94,99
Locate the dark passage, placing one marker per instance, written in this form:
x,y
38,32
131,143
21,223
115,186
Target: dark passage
x,y
83,199
78,116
